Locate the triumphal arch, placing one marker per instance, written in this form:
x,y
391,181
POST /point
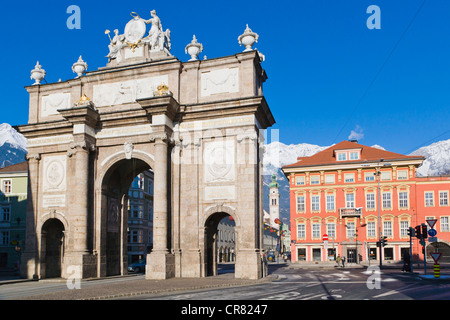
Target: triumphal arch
x,y
196,124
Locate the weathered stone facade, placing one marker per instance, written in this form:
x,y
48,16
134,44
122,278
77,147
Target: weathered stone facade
x,y
202,138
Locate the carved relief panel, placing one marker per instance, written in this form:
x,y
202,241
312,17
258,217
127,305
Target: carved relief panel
x,y
52,102
220,81
219,161
116,93
54,178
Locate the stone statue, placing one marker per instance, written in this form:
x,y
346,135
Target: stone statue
x,y
157,38
117,42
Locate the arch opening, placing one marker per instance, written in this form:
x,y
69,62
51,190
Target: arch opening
x,y
127,215
220,244
52,242
440,247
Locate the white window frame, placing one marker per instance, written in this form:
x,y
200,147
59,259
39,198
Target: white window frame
x,y
300,180
314,179
400,174
444,223
354,155
342,156
386,176
315,202
370,203
349,177
371,229
301,207
369,176
387,228
315,230
350,203
330,179
331,202
403,203
7,186
443,198
429,198
331,230
386,200
351,229
404,226
301,231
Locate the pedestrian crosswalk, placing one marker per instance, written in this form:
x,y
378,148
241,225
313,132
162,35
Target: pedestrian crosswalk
x,y
312,276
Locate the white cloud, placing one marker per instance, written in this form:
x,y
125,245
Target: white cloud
x,y
356,134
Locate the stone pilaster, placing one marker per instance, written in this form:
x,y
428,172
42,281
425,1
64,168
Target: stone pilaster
x,y
160,263
80,211
29,264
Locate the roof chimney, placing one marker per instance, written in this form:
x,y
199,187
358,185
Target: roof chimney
x,y
355,141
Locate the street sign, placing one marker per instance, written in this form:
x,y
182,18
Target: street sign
x,y
432,239
325,237
436,256
431,222
432,232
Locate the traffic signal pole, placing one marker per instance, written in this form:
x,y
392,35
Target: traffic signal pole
x,y
421,234
424,236
410,248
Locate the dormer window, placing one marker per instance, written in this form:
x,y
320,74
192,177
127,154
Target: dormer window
x,y
354,155
342,156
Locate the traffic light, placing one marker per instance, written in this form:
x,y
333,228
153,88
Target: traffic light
x,y
418,232
411,232
424,231
384,241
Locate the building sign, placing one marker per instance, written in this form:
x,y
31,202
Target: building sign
x,y
350,212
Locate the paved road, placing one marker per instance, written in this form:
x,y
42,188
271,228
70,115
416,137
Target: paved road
x,y
291,283
296,283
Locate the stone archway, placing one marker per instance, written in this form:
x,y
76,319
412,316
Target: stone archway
x,y
202,137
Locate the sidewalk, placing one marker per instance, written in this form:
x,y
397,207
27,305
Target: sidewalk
x,y
133,288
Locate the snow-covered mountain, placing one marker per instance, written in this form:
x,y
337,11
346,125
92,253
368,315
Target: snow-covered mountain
x,y
276,155
13,146
437,159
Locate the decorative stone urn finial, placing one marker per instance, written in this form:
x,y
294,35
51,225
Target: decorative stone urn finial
x,y
248,39
79,67
37,74
193,49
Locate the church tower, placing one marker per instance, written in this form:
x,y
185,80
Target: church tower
x,y
274,202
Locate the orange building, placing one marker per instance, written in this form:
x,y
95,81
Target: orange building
x,y
344,198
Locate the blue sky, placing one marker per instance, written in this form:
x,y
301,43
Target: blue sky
x,y
328,74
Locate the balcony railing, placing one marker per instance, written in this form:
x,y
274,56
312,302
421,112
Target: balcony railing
x,y
350,212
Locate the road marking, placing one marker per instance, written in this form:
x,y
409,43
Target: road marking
x,y
389,293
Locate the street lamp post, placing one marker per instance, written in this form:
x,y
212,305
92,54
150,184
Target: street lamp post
x,y
379,210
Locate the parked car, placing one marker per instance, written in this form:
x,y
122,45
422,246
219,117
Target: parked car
x,y
271,256
137,266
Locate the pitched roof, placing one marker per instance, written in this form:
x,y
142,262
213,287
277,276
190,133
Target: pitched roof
x,y
368,154
19,167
